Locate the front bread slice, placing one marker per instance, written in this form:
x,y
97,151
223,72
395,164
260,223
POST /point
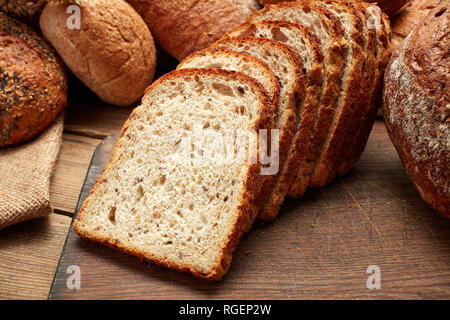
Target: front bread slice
x,y
168,195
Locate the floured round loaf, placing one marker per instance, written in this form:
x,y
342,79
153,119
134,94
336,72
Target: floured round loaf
x,y
416,105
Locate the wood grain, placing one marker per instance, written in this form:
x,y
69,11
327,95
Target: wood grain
x,y
318,248
70,171
29,255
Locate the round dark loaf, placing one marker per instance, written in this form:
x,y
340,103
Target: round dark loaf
x,y
416,104
33,84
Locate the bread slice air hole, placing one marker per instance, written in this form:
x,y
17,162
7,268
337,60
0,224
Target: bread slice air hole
x,y
223,89
140,192
112,215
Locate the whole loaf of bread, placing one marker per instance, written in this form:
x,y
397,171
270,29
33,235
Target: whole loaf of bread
x,y
416,104
184,26
112,51
33,84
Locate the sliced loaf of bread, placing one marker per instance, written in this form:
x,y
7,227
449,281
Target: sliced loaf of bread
x,y
347,114
369,45
307,46
187,215
379,22
326,27
288,68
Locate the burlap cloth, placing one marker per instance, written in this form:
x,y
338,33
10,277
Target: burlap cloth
x,y
25,173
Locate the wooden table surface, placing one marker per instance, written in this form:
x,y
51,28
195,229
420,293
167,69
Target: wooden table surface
x,y
30,251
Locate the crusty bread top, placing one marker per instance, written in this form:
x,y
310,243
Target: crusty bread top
x,y
287,9
388,6
276,27
428,60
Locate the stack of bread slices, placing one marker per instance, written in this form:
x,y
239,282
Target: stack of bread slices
x,y
311,70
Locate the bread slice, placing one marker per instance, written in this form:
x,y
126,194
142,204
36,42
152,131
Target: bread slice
x,y
288,68
300,39
328,29
348,113
187,215
369,45
380,23
236,61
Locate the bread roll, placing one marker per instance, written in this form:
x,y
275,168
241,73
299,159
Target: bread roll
x,y
416,104
185,26
113,52
33,84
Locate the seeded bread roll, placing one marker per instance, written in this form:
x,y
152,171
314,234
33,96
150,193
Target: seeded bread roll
x,y
33,84
416,105
186,26
113,53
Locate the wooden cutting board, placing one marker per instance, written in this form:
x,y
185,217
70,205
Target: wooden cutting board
x,y
319,247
